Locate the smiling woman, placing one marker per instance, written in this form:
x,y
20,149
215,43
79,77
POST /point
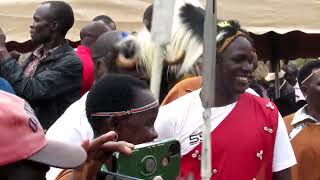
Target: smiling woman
x,y
238,119
235,57
236,66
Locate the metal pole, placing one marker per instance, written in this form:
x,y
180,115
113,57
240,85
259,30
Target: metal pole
x,y
277,81
208,88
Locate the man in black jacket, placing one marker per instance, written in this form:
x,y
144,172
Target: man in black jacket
x,y
51,78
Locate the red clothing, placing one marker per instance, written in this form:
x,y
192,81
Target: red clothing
x,y
85,56
256,130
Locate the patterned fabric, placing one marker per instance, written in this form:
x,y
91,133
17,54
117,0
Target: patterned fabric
x,y
38,57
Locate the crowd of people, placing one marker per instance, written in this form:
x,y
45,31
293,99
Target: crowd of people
x,y
64,110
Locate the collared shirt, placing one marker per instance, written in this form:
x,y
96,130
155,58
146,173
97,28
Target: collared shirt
x,y
299,120
302,115
38,57
304,131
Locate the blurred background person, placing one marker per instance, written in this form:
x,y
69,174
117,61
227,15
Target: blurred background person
x,y
88,35
287,101
291,73
107,21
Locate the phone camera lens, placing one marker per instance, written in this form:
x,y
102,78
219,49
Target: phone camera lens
x,y
150,165
174,149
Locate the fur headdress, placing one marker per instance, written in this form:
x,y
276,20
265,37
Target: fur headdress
x,y
185,47
183,54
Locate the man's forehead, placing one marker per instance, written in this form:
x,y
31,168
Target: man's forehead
x,y
109,39
144,96
291,70
43,11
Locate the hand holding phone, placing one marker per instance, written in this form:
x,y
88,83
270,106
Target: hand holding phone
x,y
151,161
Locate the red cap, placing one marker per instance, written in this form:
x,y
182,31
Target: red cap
x,y
22,137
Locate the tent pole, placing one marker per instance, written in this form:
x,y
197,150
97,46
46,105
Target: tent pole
x,y
277,81
208,88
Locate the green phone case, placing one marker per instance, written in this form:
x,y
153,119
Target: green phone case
x,y
150,160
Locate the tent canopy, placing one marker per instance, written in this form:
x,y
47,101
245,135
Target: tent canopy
x,y
16,15
256,16
280,29
273,15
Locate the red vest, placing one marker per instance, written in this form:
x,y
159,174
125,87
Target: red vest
x,y
242,145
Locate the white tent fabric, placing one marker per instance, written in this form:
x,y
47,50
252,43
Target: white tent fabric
x,y
257,16
260,16
16,15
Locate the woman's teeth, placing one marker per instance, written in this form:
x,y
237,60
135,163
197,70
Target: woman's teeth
x,y
242,79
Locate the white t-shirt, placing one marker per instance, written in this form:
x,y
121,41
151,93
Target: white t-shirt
x,y
253,92
176,121
72,127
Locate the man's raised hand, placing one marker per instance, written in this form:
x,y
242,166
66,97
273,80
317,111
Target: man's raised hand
x,y
2,38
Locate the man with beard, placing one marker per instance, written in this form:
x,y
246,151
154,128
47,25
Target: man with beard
x,y
51,78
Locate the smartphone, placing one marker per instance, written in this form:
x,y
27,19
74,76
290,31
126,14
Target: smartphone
x,y
155,160
113,176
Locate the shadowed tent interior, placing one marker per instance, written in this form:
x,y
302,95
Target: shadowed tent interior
x,y
277,27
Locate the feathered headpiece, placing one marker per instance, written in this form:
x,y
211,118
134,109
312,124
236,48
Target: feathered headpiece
x,y
183,54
